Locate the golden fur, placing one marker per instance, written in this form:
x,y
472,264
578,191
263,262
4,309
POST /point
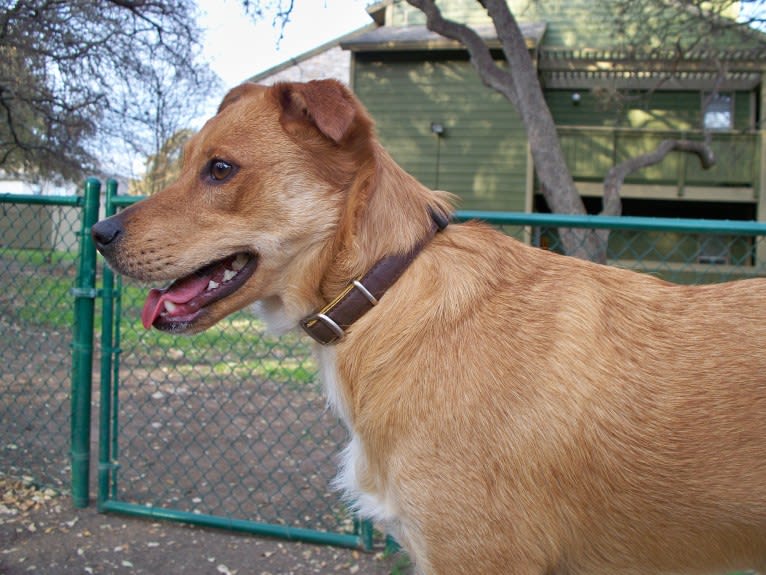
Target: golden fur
x,y
511,410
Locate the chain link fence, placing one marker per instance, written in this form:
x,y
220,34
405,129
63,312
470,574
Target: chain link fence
x,y
38,266
229,428
230,422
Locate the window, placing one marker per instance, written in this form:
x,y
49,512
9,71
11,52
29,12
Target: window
x,y
718,113
714,249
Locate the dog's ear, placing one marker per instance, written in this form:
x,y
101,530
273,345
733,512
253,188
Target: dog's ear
x,y
326,104
237,93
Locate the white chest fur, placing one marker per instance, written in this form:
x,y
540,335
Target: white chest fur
x,y
353,462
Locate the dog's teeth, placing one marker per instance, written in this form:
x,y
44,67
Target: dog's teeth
x,y
212,285
170,307
228,274
239,262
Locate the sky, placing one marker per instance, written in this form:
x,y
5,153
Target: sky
x,y
237,48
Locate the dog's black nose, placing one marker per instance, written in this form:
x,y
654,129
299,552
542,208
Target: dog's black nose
x,y
106,232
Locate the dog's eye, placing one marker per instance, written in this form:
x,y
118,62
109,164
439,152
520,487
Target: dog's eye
x,y
219,170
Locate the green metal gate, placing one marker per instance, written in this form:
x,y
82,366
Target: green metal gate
x,y
229,428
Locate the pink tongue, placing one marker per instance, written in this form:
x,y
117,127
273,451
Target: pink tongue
x,y
178,292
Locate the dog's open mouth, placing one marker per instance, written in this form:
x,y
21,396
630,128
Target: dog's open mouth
x,y
179,304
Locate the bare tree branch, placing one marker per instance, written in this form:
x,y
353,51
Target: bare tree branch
x,y
282,10
79,80
481,57
615,178
521,86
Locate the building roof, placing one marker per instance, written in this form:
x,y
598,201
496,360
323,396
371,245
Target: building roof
x,y
406,38
376,11
727,69
569,68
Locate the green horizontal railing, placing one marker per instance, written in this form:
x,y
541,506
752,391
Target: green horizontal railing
x,y
289,533
33,199
633,223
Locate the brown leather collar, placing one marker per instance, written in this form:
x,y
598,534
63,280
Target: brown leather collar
x,y
329,325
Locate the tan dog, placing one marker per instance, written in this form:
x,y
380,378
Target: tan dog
x,y
510,410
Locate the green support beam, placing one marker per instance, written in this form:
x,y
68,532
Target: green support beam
x,y
84,294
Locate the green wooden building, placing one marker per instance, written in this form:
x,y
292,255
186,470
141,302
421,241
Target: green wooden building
x,y
610,103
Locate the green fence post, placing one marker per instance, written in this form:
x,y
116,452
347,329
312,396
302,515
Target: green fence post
x,y
367,534
82,347
108,359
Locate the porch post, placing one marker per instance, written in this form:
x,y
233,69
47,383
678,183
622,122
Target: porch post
x,y
760,251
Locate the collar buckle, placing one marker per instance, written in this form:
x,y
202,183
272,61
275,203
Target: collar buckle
x,y
322,328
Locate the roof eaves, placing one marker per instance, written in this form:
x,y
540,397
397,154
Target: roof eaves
x,y
416,38
559,59
290,62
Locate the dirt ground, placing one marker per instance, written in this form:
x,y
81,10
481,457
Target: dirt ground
x,y
41,533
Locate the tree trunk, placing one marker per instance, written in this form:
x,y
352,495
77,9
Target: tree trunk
x,y
520,84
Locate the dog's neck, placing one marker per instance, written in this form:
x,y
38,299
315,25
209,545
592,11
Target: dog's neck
x,y
388,217
386,211
329,324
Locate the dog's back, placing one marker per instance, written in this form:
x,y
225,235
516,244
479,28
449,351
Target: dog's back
x,y
587,419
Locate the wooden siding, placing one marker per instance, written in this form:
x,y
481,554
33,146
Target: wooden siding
x,y
572,23
468,12
482,156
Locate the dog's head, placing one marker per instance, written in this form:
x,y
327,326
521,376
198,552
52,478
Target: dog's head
x,y
259,200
